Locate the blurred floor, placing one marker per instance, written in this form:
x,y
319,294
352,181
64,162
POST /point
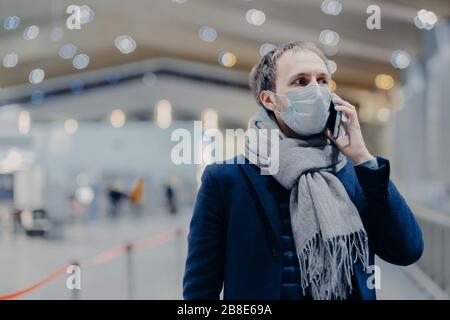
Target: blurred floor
x,y
155,271
397,284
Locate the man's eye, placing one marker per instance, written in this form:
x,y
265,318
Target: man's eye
x,y
323,81
301,82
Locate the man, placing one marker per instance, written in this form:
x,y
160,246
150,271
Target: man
x,y
310,228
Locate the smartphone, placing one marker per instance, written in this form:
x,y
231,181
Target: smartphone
x,y
334,121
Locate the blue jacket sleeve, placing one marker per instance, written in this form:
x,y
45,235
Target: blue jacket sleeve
x,y
393,231
203,276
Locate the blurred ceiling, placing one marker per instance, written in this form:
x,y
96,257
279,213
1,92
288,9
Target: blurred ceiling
x,y
168,28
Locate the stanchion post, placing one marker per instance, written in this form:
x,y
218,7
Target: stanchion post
x,y
75,291
178,251
130,273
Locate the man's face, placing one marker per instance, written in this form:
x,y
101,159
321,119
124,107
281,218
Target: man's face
x,y
300,68
295,68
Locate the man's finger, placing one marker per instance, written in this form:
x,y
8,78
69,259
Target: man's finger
x,y
349,112
341,101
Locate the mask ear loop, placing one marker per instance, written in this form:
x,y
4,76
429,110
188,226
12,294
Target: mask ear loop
x,y
275,109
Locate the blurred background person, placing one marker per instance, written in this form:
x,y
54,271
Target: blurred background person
x,y
170,198
116,195
136,196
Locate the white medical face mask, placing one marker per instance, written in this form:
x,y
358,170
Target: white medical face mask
x,y
306,109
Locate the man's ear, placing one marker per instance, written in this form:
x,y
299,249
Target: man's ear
x,y
267,99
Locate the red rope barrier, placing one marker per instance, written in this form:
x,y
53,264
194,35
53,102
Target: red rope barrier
x,y
155,240
101,258
105,256
52,276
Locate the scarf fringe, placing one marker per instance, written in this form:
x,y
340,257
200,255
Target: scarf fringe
x,y
326,266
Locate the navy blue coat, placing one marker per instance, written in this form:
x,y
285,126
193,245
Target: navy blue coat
x,y
235,231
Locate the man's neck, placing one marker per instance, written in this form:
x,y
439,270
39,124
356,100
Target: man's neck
x,y
288,132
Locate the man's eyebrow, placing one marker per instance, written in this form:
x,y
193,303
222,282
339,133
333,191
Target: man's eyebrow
x,y
307,74
298,75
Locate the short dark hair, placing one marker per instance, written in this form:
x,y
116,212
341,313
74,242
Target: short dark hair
x,y
263,74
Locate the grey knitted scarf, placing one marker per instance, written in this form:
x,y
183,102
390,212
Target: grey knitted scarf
x,y
327,229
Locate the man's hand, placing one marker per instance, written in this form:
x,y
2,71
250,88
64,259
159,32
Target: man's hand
x,y
350,141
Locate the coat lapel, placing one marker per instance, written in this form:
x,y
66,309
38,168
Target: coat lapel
x,y
261,185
